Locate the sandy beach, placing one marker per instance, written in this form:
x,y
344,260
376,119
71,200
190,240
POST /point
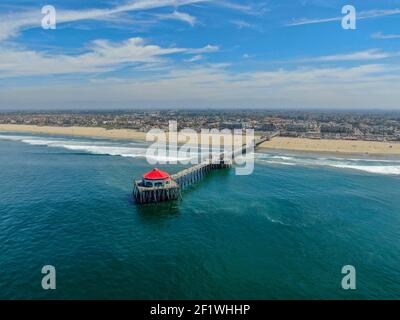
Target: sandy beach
x,y
278,143
333,146
77,131
97,132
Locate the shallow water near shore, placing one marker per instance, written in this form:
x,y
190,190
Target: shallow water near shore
x,y
284,232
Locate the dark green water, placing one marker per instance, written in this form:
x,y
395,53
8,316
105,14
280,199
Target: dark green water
x,y
284,232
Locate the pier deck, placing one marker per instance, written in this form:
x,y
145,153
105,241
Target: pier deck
x,y
189,176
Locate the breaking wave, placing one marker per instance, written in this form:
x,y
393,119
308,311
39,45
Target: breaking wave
x,y
138,150
111,148
375,166
394,170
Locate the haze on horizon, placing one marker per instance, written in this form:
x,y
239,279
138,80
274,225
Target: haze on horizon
x,y
191,54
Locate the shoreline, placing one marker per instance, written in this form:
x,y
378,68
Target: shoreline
x,y
344,147
278,143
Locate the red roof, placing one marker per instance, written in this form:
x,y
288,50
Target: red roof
x,y
156,174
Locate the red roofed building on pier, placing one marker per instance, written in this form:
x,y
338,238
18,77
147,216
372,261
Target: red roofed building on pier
x,y
156,178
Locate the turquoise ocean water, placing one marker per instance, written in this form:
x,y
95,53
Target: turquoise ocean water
x,y
285,232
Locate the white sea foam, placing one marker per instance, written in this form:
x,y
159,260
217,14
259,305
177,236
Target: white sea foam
x,y
391,170
282,157
275,221
279,162
138,149
13,138
375,166
375,160
93,147
127,152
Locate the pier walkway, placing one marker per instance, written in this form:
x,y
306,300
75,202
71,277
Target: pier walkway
x,y
189,176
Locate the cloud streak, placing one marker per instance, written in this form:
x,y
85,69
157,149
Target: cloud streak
x,y
372,54
363,86
376,13
180,16
11,25
380,35
101,56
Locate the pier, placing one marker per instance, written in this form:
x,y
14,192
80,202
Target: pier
x,y
143,194
169,188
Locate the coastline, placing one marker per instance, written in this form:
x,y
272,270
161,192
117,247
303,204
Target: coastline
x,y
333,146
90,132
278,143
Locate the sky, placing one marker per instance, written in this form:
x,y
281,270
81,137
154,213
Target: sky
x,y
185,54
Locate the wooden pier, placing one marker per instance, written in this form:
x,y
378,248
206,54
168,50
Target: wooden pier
x,y
189,176
143,194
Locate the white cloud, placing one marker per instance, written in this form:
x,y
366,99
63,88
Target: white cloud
x,y
207,49
372,54
11,25
303,21
380,35
352,57
363,86
255,9
378,13
180,16
101,56
361,15
241,24
195,58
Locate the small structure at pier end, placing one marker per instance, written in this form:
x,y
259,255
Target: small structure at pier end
x,y
156,178
156,186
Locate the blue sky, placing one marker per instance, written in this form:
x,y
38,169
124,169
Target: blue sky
x,y
200,54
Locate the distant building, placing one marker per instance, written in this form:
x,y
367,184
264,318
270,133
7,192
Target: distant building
x,y
337,128
231,125
296,127
267,127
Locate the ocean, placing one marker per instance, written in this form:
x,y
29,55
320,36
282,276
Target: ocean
x,y
284,232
